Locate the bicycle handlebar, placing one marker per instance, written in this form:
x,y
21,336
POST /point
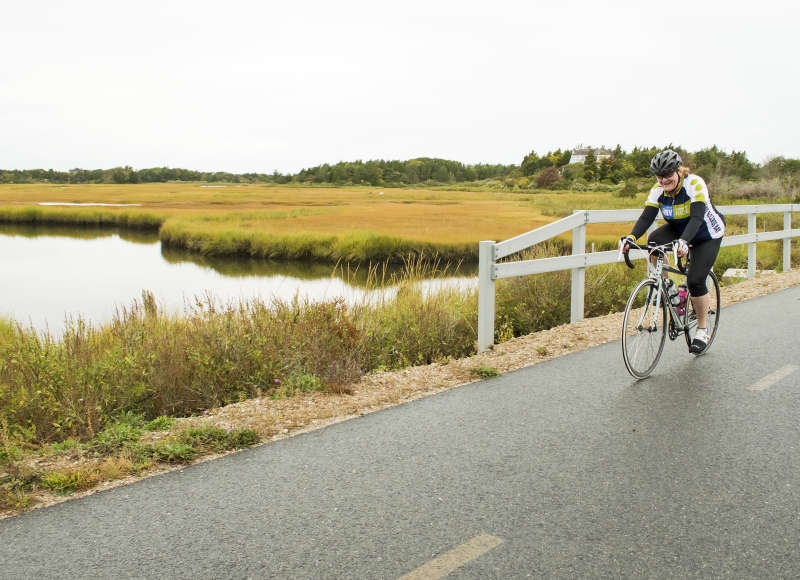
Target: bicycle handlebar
x,y
651,248
627,259
681,264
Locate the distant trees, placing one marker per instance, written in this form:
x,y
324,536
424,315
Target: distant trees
x,y
532,163
551,170
127,174
411,172
621,167
548,176
590,166
640,160
713,160
782,167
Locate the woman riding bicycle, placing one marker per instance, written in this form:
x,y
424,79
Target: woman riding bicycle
x,y
691,218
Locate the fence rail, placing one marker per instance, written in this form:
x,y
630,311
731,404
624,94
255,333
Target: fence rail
x,y
490,252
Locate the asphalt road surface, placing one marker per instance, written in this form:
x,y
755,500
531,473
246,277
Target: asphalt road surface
x,y
566,469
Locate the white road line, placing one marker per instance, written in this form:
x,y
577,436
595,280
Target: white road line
x,y
772,378
455,558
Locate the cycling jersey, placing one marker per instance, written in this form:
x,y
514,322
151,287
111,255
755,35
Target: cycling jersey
x,y
675,210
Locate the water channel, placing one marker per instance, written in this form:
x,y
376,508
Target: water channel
x,y
51,273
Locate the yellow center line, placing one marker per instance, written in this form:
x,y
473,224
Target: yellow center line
x,y
455,558
773,378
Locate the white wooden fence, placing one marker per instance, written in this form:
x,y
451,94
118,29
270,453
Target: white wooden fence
x,y
490,252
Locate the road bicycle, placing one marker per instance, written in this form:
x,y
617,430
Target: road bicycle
x,y
650,314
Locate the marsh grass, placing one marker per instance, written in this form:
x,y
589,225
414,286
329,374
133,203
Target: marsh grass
x,y
327,225
351,246
81,216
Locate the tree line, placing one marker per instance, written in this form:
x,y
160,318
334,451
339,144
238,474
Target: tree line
x,y
378,172
546,170
621,165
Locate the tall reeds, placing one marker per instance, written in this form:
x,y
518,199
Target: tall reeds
x,y
353,246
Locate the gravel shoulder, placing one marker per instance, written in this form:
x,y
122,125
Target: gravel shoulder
x,y
278,419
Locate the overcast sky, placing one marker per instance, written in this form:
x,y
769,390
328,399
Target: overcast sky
x,y
265,85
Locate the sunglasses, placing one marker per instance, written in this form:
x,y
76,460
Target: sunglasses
x,y
665,176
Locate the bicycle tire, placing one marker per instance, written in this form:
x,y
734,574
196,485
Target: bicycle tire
x,y
712,283
643,336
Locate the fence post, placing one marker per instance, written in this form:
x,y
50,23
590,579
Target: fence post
x,y
485,295
578,274
751,248
787,242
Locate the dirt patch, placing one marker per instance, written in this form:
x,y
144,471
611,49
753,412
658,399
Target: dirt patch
x,y
278,419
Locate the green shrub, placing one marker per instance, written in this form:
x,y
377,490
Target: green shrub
x,y
116,435
485,372
298,383
66,445
162,423
173,451
14,498
628,190
10,453
241,438
216,439
730,257
65,482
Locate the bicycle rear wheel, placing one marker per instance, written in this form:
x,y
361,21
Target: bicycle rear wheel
x,y
713,312
644,329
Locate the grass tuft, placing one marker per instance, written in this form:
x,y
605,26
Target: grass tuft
x,y
67,481
485,372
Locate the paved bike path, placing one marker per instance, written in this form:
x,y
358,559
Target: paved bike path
x,y
573,467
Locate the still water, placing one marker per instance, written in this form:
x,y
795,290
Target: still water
x,y
49,274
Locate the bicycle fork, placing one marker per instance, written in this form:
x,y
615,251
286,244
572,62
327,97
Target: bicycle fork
x,y
653,301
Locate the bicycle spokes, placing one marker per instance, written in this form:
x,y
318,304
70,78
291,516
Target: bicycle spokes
x,y
644,329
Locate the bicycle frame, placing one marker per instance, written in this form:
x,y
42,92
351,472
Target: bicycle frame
x,y
678,323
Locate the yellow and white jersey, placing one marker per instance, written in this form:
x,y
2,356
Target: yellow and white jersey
x,y
675,210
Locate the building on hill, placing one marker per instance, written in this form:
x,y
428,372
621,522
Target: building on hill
x,y
579,154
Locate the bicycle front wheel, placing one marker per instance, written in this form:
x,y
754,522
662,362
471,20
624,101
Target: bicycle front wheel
x,y
644,329
714,304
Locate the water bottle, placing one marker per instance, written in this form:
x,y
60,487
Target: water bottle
x,y
672,292
683,292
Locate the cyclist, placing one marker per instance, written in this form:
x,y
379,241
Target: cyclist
x,y
691,218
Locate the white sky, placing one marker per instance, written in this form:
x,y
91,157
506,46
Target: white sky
x,y
244,86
